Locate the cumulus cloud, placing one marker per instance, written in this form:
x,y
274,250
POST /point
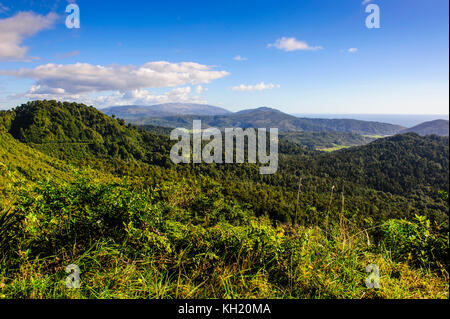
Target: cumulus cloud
x,y
138,96
352,50
239,58
85,78
257,87
142,96
200,89
120,84
292,44
15,29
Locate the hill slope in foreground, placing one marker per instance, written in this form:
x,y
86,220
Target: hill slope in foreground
x,y
436,127
168,232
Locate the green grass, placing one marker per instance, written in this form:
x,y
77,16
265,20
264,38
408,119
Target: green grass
x,y
332,149
375,136
308,272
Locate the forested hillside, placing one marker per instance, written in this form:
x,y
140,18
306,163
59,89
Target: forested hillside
x,y
80,187
397,164
326,140
267,117
436,127
78,132
408,167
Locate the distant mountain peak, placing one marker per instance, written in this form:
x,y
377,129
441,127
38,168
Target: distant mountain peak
x,y
259,110
131,112
266,108
436,127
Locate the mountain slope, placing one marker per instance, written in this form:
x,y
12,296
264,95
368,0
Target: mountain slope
x,y
438,127
19,161
187,231
267,117
326,139
129,112
397,164
411,167
76,132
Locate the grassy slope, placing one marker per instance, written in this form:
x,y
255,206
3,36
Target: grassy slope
x,y
22,166
20,163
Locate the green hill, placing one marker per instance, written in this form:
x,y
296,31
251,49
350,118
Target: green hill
x,y
437,127
76,132
79,187
327,139
410,167
396,164
18,162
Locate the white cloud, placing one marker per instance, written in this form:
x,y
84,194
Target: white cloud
x,y
292,44
138,96
239,58
352,50
145,97
366,2
257,87
86,78
200,89
142,96
83,82
15,29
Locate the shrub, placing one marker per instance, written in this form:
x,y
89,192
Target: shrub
x,y
416,241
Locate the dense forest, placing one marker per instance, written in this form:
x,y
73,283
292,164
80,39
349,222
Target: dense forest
x,y
80,187
326,140
438,127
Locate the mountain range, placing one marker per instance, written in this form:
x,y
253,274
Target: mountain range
x,y
182,115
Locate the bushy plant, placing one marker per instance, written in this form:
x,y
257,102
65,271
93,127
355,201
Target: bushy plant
x,y
416,241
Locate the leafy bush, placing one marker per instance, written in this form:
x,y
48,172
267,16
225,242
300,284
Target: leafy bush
x,y
416,241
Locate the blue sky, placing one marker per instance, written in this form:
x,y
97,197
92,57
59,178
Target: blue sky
x,y
307,56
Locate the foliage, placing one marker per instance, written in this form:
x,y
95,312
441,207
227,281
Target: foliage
x,y
327,139
417,242
132,244
79,187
